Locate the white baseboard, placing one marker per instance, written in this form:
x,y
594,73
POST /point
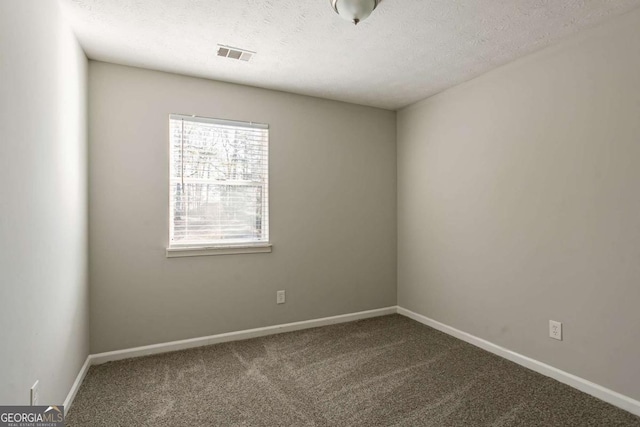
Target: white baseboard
x,y
602,393
76,385
97,359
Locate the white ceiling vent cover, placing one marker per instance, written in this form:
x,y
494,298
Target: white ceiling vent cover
x,y
235,53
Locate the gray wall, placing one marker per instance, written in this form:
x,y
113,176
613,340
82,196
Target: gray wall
x,y
333,212
519,203
44,322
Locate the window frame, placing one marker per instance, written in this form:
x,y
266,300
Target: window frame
x,y
178,250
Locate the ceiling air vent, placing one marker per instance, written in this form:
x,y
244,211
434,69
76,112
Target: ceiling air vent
x,y
235,53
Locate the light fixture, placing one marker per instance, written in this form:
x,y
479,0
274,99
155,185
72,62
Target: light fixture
x,y
354,10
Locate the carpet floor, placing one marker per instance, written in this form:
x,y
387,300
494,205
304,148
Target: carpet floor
x,y
386,371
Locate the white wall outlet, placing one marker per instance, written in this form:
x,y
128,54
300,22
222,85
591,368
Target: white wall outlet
x,y
555,330
35,394
280,297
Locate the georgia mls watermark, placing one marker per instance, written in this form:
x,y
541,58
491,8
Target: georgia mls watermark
x,y
31,416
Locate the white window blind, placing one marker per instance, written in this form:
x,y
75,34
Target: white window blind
x,y
219,182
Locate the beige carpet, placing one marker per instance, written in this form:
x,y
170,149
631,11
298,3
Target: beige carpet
x,y
387,371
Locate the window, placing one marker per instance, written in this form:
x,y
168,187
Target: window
x,y
219,186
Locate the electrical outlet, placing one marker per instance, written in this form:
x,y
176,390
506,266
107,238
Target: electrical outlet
x,y
280,297
35,393
555,330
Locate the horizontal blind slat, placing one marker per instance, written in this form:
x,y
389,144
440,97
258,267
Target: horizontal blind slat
x,y
218,122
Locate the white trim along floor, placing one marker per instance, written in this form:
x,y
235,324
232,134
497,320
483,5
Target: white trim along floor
x,y
602,393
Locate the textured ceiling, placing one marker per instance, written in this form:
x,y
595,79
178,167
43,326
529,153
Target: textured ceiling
x,y
407,50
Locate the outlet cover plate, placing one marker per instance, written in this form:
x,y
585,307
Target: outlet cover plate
x,y
35,394
280,297
555,330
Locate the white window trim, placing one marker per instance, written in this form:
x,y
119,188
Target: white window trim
x,y
195,250
191,251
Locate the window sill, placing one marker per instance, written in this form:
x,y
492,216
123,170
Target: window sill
x,y
188,251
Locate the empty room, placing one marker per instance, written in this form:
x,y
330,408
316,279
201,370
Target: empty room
x,y
319,213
